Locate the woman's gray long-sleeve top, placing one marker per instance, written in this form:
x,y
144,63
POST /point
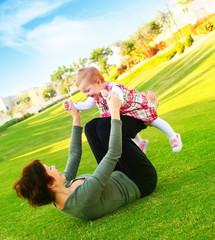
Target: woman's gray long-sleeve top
x,y
103,191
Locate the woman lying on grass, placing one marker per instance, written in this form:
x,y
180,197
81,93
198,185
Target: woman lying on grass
x,y
116,181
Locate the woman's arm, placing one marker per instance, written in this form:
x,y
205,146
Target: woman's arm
x,y
114,104
120,93
96,183
75,148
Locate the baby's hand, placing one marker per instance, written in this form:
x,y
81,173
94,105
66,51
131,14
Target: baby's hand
x,y
105,94
67,105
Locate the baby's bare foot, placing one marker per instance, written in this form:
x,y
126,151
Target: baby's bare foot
x,y
152,98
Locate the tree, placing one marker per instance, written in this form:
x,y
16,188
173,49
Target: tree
x,y
25,99
49,93
173,19
82,62
164,19
100,57
64,76
155,28
126,50
142,37
133,49
68,70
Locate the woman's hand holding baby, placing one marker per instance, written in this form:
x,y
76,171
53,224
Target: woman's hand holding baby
x,y
114,104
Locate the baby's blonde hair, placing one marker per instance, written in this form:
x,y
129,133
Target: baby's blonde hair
x,y
91,74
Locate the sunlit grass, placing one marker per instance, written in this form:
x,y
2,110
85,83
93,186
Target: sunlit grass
x,y
182,205
55,147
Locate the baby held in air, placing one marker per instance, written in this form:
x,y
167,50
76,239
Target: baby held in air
x,y
134,105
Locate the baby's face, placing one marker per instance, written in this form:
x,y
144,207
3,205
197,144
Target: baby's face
x,y
89,89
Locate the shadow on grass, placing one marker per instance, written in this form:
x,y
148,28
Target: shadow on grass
x,y
184,88
171,74
177,70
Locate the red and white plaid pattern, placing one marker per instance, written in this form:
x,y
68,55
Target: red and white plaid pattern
x,y
135,104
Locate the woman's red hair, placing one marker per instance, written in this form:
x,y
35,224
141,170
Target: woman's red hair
x,y
33,185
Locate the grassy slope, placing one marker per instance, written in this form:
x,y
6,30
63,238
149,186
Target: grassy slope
x,y
182,205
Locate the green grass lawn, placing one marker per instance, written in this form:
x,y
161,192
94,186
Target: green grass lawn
x,y
182,206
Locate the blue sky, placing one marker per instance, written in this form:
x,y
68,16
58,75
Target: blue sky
x,y
37,36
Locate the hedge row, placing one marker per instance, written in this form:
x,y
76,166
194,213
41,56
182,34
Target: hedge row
x,y
180,46
14,121
206,27
52,104
27,115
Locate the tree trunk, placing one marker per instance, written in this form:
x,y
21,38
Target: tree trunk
x,y
171,31
108,74
145,49
135,62
171,15
127,63
67,88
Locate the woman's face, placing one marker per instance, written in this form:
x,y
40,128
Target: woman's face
x,y
53,172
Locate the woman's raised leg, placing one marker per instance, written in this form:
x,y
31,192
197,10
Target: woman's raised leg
x,y
97,146
133,161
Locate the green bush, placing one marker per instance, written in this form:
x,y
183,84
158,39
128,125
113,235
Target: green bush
x,y
14,121
209,26
48,106
188,41
166,56
158,59
25,116
52,104
184,31
179,47
8,124
11,122
2,129
206,27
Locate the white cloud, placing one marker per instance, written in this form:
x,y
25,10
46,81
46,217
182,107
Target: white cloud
x,y
62,40
15,14
60,32
72,39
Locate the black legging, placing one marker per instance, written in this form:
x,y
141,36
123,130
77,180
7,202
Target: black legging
x,y
133,161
